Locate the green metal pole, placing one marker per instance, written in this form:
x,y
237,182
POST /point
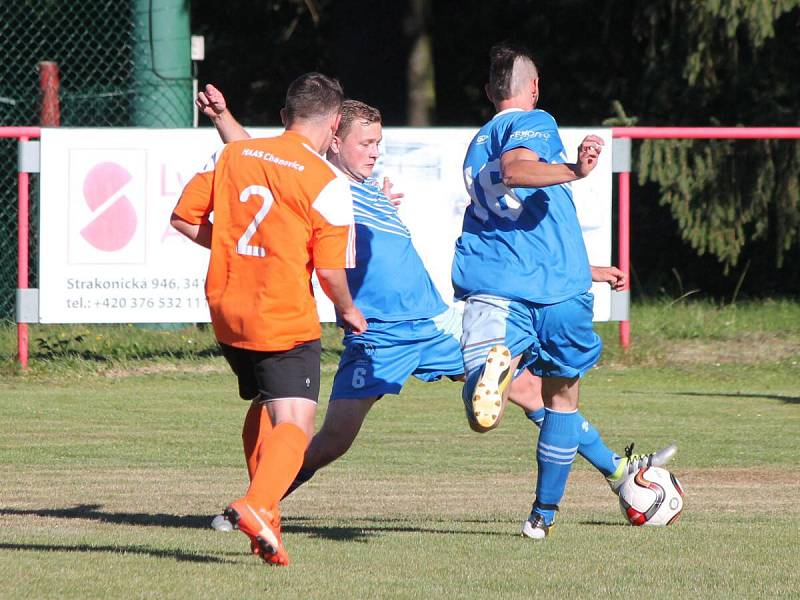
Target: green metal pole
x,y
162,73
162,69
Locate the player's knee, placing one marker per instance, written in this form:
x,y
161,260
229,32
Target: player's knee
x,y
523,386
526,392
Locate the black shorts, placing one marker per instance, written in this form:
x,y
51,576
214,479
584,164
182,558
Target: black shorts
x,y
286,374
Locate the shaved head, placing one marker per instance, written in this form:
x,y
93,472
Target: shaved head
x,y
511,69
521,74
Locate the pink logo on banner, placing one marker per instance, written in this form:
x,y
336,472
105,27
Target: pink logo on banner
x,y
112,229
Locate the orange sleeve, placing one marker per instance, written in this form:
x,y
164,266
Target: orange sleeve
x,y
196,201
333,246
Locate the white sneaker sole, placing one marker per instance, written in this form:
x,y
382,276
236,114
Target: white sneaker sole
x,y
487,399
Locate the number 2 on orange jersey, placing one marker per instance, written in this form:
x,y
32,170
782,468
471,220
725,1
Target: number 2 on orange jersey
x,y
243,245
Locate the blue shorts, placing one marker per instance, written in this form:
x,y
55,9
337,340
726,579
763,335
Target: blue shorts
x,y
555,340
380,360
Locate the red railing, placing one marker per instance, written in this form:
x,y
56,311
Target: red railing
x,y
707,133
24,134
663,133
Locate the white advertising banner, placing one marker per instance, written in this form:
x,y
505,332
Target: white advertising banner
x,y
107,253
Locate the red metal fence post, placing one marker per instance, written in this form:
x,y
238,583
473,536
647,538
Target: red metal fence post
x,y
625,248
23,228
22,134
50,85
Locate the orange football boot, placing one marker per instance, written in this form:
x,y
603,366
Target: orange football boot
x,y
263,527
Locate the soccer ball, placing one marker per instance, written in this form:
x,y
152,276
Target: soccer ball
x,y
651,497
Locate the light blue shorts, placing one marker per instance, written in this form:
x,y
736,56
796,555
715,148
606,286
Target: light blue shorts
x,y
380,360
555,340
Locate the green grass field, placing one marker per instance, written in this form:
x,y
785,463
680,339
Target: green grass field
x,y
112,466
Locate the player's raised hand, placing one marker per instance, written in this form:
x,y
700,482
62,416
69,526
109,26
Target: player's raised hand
x,y
588,153
610,275
211,102
387,191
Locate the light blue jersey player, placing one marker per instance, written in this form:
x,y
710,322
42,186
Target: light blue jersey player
x,y
521,267
532,237
411,330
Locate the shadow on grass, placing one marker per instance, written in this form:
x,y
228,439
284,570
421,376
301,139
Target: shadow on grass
x,y
93,356
80,347
595,523
93,512
144,550
785,399
302,525
306,525
329,532
98,357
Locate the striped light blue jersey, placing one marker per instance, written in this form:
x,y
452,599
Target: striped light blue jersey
x,y
520,243
389,281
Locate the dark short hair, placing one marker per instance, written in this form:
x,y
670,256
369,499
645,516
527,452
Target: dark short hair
x,y
312,96
354,110
501,67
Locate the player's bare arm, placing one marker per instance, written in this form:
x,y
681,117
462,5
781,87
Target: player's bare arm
x,y
334,284
522,167
610,275
212,104
199,234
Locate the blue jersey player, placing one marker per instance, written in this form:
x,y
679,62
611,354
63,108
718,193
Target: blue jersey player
x,y
411,331
521,267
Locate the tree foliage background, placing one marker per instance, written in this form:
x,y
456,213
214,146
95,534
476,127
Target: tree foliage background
x,y
722,217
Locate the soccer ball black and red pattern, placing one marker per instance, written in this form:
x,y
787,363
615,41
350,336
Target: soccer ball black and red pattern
x,y
653,496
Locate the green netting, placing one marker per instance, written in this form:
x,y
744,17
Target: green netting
x,y
121,63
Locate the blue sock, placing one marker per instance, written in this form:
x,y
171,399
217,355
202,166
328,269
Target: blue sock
x,y
303,475
555,453
537,416
592,447
590,444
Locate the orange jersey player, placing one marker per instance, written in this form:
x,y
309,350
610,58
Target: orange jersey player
x,y
279,211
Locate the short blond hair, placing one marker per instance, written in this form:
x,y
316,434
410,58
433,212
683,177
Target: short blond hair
x,y
354,110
